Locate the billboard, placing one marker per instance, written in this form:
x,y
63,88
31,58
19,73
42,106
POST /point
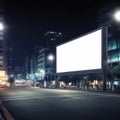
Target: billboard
x,y
81,54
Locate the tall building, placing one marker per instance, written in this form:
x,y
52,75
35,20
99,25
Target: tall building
x,y
52,39
106,19
46,67
113,33
43,62
31,64
2,40
10,60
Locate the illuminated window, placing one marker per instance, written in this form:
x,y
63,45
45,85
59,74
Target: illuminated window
x,y
1,33
112,45
1,57
2,73
114,57
1,38
1,62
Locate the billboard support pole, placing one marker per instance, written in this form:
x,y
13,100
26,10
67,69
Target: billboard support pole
x,y
104,54
57,78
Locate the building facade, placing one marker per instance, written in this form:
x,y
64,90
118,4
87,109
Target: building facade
x,y
106,19
31,63
2,39
43,67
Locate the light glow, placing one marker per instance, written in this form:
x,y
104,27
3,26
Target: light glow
x,y
1,26
51,57
2,73
83,53
117,15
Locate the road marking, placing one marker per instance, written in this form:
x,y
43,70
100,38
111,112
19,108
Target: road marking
x,y
70,99
66,96
7,115
1,118
44,97
30,98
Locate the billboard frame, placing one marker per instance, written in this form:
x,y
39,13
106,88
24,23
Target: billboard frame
x,y
103,55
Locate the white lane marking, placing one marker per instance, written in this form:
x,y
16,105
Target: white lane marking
x,y
70,99
30,98
66,97
6,113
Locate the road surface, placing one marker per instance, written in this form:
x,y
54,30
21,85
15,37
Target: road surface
x,y
25,103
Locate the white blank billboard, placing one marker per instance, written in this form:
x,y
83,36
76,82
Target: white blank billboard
x,y
83,53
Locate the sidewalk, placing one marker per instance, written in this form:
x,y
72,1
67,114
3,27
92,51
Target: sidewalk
x,y
102,91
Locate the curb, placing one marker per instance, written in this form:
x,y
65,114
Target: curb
x,y
5,115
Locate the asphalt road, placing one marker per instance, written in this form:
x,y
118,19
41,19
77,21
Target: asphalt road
x,y
25,103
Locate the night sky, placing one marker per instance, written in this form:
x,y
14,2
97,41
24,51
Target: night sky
x,y
27,20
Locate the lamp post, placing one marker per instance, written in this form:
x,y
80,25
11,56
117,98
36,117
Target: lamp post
x,y
51,59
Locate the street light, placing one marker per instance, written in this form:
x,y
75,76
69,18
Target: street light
x,y
51,58
116,15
